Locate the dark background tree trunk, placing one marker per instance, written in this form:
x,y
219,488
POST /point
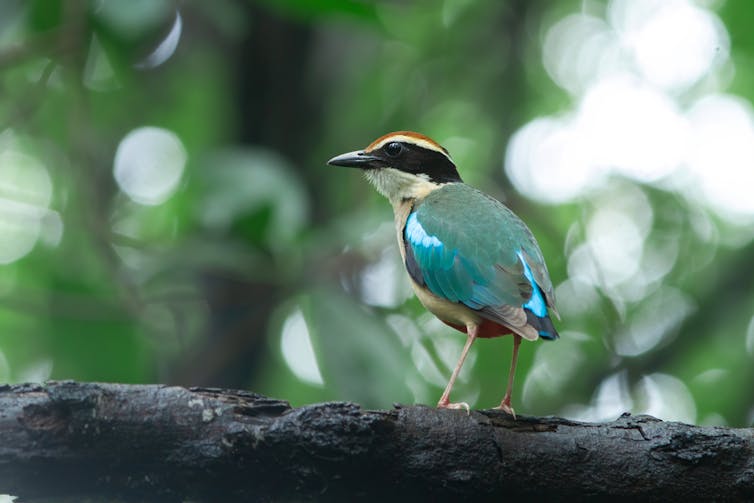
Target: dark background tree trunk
x,y
161,443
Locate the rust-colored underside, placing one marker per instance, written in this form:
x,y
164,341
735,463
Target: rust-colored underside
x,y
487,330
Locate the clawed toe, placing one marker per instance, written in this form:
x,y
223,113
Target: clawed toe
x,y
450,405
506,407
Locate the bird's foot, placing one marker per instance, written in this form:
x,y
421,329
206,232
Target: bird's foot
x,y
505,406
446,404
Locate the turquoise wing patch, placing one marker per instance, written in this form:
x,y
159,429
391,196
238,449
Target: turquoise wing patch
x,y
437,266
469,248
447,272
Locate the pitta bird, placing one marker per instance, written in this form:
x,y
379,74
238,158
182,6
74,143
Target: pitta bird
x,y
471,261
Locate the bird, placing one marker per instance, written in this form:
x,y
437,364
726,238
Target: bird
x,y
470,260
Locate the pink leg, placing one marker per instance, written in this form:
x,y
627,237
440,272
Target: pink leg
x,y
444,403
506,403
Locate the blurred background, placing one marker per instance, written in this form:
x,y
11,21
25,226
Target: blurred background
x,y
166,213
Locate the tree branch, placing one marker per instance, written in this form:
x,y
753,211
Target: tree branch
x,y
160,443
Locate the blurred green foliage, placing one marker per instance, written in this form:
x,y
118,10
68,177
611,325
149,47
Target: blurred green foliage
x,y
220,249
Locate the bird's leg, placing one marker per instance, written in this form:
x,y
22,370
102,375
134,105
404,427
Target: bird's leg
x,y
505,405
444,403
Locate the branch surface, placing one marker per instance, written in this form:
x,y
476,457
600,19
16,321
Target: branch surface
x,y
163,443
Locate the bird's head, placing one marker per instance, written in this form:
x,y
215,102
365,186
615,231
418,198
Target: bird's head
x,y
402,165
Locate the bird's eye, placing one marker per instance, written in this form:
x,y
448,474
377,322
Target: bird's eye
x,y
393,149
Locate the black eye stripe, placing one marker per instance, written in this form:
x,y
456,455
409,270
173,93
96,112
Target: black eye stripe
x,y
419,160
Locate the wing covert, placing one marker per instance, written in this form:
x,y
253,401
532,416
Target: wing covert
x,y
492,265
448,271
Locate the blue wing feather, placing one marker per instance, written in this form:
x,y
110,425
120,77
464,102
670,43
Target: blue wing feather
x,y
451,274
536,303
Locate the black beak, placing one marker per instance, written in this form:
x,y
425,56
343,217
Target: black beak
x,y
355,159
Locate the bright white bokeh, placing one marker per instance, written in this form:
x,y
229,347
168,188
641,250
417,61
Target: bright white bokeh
x,y
25,196
166,48
655,322
616,255
666,397
669,44
721,153
549,161
631,128
620,126
576,297
382,282
616,244
649,112
149,164
611,399
578,49
625,73
645,81
673,43
582,268
298,352
660,395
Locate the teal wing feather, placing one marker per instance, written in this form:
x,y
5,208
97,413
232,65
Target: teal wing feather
x,y
467,247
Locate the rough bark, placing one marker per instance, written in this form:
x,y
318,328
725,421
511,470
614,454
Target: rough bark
x,y
159,443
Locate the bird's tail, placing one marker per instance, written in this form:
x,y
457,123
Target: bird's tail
x,y
543,325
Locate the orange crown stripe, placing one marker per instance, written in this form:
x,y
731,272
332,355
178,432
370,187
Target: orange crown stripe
x,y
405,134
